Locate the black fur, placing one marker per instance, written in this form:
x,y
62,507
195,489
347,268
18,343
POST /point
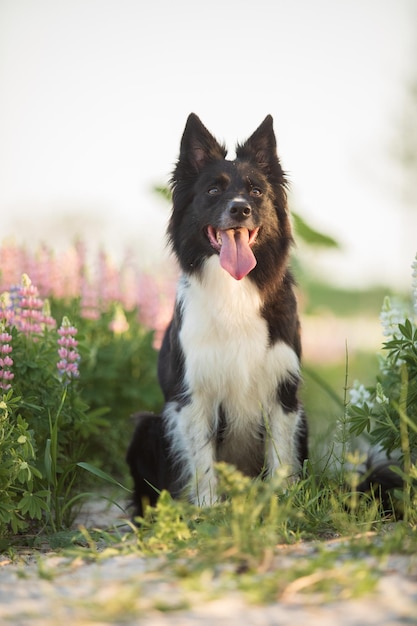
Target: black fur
x,y
148,457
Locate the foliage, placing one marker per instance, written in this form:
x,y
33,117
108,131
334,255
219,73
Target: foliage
x,y
118,371
17,472
310,236
67,395
387,410
255,540
392,402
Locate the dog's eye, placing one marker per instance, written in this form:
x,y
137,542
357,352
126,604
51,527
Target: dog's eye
x,y
255,191
212,191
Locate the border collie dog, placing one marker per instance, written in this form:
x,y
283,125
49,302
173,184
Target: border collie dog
x,y
229,364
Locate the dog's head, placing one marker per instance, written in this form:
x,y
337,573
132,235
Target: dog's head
x,y
235,209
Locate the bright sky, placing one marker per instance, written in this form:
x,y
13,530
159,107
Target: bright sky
x,y
95,94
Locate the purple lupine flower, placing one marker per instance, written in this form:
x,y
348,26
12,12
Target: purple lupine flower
x,y
67,351
6,362
29,314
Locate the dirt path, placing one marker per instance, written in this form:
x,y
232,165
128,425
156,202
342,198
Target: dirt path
x,y
53,590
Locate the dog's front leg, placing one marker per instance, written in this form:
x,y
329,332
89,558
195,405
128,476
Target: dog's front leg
x,y
281,442
191,433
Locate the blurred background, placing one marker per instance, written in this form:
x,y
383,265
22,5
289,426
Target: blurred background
x,y
95,95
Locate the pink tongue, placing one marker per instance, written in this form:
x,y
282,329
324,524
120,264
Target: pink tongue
x,y
236,256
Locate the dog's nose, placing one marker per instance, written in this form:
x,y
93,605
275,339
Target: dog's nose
x,y
239,210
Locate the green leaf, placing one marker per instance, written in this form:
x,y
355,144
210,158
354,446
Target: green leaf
x,y
33,504
406,330
48,461
360,419
103,475
311,236
163,191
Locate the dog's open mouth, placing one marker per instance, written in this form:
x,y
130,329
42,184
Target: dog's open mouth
x,y
234,246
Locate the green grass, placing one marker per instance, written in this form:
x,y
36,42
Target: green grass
x,y
314,540
265,541
240,541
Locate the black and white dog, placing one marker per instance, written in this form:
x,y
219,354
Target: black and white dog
x,y
229,365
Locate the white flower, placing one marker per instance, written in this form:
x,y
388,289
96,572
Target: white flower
x,y
359,395
390,317
380,397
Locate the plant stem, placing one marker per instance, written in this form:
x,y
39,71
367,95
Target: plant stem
x,y
405,441
344,433
56,517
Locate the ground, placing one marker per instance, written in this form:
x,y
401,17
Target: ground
x,y
53,588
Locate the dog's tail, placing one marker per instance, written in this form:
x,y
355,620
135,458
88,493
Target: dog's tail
x,y
148,457
381,478
376,473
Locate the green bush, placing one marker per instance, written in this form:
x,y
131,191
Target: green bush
x,y
65,400
117,371
18,498
387,410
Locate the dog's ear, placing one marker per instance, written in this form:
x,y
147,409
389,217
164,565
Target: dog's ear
x,y
261,147
198,146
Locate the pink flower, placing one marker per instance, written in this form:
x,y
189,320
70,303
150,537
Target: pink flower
x,y
27,308
31,315
6,362
69,357
74,273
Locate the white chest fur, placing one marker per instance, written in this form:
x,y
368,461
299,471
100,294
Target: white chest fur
x,y
228,357
229,363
